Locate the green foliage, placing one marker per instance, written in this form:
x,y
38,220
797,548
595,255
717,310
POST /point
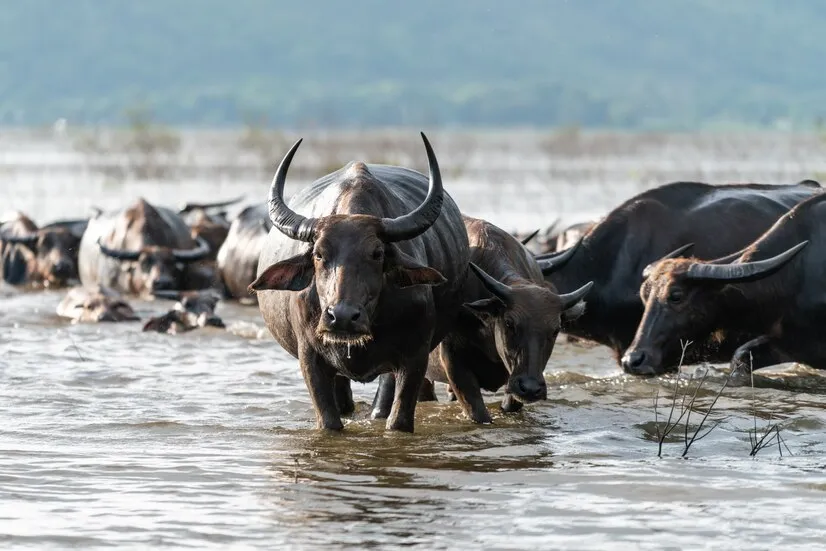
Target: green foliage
x,y
595,63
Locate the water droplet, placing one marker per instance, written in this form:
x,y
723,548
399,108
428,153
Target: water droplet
x,y
348,350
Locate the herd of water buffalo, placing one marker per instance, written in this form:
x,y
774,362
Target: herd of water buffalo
x,y
374,272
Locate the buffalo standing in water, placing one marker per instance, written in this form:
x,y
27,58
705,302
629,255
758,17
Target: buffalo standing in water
x,y
141,249
764,303
717,220
507,331
42,256
238,256
358,285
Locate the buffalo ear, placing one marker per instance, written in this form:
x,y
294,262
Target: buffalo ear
x,y
402,270
485,309
293,274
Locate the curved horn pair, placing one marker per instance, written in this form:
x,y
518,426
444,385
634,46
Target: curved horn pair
x,y
187,207
200,252
505,293
743,271
404,227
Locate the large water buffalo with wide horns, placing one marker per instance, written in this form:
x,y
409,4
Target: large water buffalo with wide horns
x,y
238,256
40,256
141,249
766,302
717,220
506,332
361,276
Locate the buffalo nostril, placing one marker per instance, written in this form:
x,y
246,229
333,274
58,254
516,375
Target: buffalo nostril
x,y
529,387
633,360
331,314
356,315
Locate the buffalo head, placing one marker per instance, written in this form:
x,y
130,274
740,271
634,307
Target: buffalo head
x,y
683,298
156,268
51,255
351,257
97,305
525,321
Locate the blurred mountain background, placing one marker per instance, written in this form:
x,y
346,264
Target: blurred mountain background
x,y
626,64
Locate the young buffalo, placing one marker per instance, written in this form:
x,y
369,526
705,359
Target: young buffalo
x,y
99,304
507,332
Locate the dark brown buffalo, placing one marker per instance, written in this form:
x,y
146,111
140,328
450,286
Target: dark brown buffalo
x,y
193,309
141,249
764,304
506,333
98,304
355,285
717,220
40,256
238,256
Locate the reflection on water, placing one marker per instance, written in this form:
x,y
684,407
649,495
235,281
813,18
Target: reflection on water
x,y
113,436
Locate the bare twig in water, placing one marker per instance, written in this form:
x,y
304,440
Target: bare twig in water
x,y
771,434
82,359
689,397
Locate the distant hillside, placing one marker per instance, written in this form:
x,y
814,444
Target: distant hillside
x,y
593,63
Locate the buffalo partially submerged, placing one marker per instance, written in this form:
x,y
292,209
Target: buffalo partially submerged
x,y
238,256
371,287
141,249
763,302
507,331
208,223
193,309
717,220
41,256
98,304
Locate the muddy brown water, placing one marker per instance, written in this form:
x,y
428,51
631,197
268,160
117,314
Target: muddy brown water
x,y
113,437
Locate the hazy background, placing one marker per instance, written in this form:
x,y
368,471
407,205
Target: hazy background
x,y
621,64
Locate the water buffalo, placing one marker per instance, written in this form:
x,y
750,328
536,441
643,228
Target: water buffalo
x,y
141,249
373,286
94,305
238,256
763,302
41,256
718,220
193,309
207,223
508,328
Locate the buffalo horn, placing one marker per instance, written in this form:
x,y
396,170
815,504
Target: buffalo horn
x,y
743,271
287,221
528,239
676,253
120,254
497,288
417,222
549,263
29,239
193,255
570,299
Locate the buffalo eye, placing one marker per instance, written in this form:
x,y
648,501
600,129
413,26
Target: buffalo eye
x,y
318,256
509,324
675,295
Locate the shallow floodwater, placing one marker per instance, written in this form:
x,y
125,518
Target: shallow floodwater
x,y
114,437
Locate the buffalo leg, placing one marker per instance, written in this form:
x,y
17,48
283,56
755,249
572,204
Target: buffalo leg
x,y
319,378
465,386
383,400
428,392
344,396
755,354
511,404
408,384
